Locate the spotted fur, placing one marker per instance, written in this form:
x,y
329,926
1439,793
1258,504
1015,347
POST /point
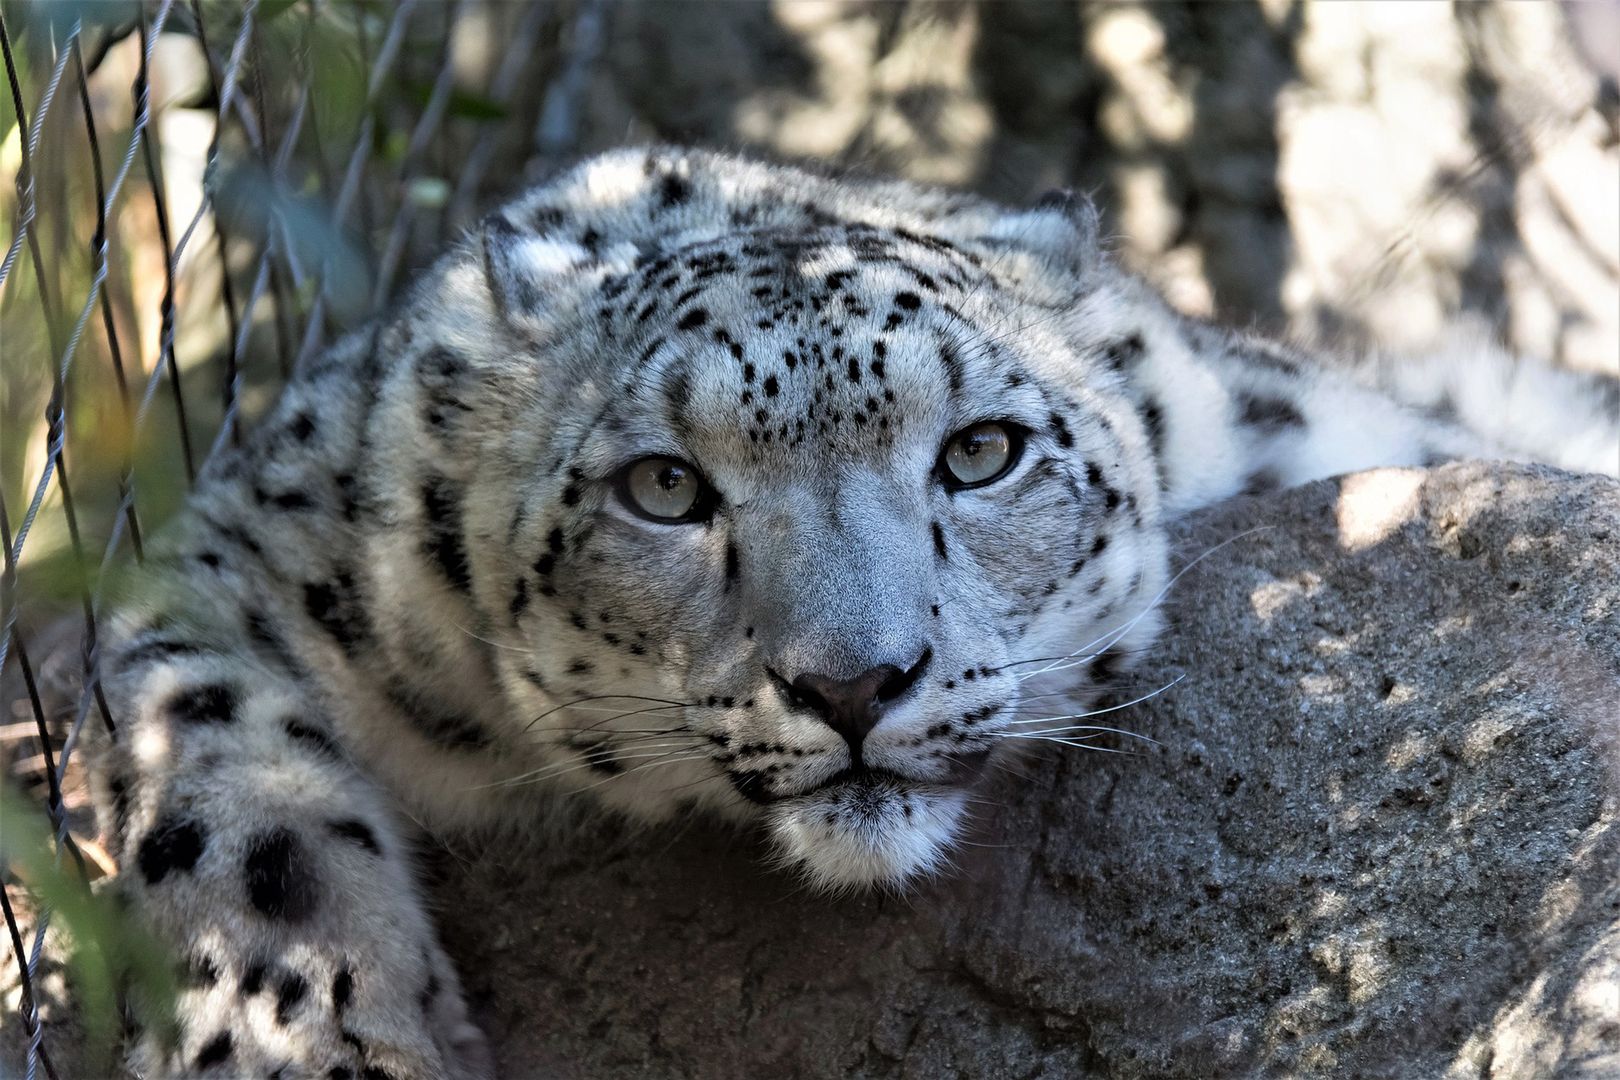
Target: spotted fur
x,y
417,593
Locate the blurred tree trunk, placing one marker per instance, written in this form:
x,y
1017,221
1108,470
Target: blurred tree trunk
x,y
1361,172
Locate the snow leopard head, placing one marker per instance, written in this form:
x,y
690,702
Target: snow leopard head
x,y
785,488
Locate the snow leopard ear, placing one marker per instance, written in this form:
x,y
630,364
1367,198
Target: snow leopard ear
x,y
1062,229
529,269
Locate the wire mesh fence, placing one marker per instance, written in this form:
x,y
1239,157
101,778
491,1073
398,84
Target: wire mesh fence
x,y
200,195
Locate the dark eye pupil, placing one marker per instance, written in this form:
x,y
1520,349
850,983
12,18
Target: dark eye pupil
x,y
973,445
671,477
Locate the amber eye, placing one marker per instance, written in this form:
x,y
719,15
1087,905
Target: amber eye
x,y
666,489
980,455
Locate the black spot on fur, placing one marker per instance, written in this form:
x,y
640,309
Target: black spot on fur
x,y
952,360
282,500
543,219
441,511
172,847
302,426
1261,482
1124,352
119,786
355,830
939,543
751,786
342,989
312,737
289,996
1104,669
771,386
1268,414
262,631
348,496
1153,421
570,495
440,372
673,189
215,1051
211,703
733,567
336,606
160,649
253,977
908,300
1060,431
280,881
693,319
372,1072
600,759
199,972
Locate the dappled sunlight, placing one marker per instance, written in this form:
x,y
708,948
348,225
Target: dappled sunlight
x,y
1408,749
1374,504
900,93
1270,598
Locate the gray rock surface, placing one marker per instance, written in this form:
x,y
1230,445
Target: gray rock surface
x,y
1378,837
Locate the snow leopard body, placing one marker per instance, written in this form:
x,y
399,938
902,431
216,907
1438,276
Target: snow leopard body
x,y
418,596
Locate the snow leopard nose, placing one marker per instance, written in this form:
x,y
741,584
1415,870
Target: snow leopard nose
x,y
853,707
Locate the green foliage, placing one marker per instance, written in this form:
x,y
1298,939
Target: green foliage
x,y
108,951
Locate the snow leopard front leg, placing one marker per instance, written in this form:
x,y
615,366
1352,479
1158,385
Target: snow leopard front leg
x,y
276,870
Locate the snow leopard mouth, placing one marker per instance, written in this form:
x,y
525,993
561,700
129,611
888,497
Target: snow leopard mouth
x,y
868,785
961,768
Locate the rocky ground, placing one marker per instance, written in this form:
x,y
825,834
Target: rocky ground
x,y
1377,837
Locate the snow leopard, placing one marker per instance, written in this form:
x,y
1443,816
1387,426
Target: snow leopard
x,y
704,488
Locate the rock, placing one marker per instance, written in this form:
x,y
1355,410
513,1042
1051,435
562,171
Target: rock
x,y
1377,837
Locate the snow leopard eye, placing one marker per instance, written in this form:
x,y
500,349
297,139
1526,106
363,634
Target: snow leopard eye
x,y
980,455
666,489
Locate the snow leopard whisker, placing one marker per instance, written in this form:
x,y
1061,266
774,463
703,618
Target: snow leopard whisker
x,y
1011,768
494,644
1025,699
1075,661
1101,711
549,772
1107,640
1074,742
558,769
616,733
701,755
623,714
609,697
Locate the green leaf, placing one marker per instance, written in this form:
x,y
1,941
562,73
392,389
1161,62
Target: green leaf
x,y
475,106
463,103
270,9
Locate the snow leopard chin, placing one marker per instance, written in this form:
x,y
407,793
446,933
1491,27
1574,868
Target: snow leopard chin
x,y
867,834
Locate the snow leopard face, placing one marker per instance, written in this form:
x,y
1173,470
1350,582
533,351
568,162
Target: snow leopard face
x,y
783,518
